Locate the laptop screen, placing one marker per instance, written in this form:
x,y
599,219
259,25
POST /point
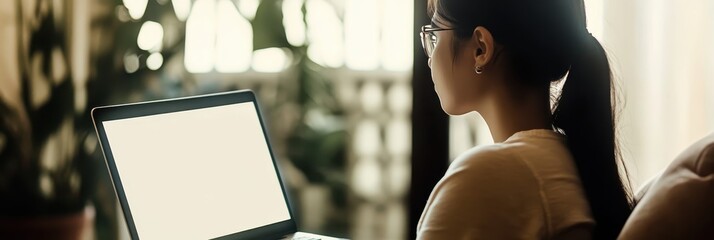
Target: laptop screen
x,y
197,174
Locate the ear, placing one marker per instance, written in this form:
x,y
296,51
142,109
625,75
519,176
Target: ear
x,y
484,46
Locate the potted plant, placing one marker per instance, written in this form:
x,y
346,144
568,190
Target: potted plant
x,y
46,173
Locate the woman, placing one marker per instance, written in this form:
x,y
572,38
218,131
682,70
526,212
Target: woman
x,y
551,174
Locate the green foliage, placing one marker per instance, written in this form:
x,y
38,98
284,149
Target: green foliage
x,y
268,29
317,144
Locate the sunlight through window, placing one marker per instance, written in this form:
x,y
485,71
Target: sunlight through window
x,y
234,42
594,11
136,7
293,22
397,36
362,34
154,61
150,36
371,35
182,8
248,8
200,37
324,34
270,60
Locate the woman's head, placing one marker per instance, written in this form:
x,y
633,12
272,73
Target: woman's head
x,y
455,63
532,41
482,45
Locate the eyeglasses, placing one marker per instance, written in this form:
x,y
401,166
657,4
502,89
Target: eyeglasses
x,y
428,38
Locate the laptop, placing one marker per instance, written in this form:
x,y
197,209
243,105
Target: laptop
x,y
196,168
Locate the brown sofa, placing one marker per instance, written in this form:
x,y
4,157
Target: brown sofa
x,y
679,203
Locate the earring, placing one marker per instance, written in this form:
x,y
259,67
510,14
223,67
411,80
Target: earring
x,y
478,70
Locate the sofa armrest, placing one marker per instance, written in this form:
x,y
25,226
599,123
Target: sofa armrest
x,y
678,204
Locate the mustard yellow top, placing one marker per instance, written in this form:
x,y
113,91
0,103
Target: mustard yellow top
x,y
524,188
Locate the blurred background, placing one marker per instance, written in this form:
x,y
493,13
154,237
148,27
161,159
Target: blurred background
x,y
348,98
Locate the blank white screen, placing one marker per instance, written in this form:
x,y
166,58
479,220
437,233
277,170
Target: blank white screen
x,y
197,174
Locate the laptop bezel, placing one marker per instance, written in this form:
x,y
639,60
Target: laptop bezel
x,y
123,111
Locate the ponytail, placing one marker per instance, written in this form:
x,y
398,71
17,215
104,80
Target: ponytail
x,y
585,114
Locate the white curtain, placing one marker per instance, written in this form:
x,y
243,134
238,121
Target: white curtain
x,y
663,58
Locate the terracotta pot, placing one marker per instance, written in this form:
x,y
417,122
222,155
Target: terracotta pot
x,y
74,226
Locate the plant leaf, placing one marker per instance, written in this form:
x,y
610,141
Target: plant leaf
x,y
268,29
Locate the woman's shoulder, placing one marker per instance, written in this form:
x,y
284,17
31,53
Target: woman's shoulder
x,y
491,157
493,163
531,155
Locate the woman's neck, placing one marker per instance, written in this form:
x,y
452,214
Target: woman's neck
x,y
515,110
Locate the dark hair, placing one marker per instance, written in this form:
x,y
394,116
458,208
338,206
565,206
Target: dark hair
x,y
545,41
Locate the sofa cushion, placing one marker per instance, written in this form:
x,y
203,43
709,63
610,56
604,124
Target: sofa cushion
x,y
679,204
